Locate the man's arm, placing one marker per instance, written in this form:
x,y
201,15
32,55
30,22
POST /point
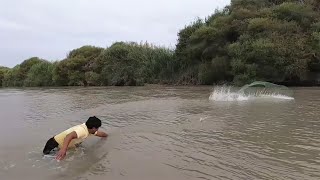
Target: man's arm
x,y
62,152
101,134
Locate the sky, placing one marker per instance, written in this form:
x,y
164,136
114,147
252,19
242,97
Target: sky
x,y
49,29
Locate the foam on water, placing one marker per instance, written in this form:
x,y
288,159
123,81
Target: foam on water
x,y
78,161
229,93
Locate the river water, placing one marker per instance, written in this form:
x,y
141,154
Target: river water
x,y
162,132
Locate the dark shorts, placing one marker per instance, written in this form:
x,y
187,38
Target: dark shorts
x,y
50,145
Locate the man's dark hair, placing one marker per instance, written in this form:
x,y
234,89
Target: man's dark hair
x,y
93,122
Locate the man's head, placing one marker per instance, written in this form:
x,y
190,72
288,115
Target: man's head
x,y
93,124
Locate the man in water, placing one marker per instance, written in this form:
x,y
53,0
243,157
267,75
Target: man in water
x,y
74,136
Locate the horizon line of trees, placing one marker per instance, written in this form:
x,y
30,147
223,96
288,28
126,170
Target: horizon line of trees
x,y
249,40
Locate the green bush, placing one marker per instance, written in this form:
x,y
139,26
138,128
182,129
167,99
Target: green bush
x,y
40,74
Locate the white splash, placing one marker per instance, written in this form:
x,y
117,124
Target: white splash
x,y
202,119
225,93
228,93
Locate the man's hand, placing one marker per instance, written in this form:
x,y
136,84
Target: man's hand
x,y
101,134
61,154
66,142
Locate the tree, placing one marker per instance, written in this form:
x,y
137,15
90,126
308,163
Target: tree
x,y
12,77
26,65
40,74
3,71
71,71
274,40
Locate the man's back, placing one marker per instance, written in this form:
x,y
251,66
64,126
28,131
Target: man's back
x,y
73,136
82,133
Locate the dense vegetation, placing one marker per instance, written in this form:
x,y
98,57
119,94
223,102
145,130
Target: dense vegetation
x,y
270,40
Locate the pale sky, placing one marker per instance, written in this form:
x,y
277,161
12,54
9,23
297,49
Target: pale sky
x,y
49,29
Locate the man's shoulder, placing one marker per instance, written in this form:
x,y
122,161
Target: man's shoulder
x,y
83,125
79,125
81,128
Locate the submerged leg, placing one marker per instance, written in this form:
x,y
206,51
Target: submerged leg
x,y
51,144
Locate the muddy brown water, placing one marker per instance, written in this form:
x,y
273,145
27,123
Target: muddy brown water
x,y
161,132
